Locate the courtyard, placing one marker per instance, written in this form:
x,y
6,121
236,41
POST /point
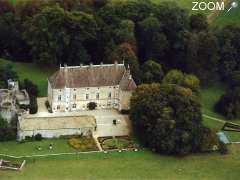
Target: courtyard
x,y
104,119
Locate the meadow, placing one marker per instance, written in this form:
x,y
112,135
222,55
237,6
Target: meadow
x,y
37,74
131,165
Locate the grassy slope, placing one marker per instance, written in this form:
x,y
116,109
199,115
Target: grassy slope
x,y
32,72
131,165
228,18
209,97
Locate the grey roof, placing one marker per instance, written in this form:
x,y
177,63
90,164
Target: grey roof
x,y
92,76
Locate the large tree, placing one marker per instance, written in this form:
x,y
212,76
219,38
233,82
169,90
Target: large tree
x,y
153,42
167,118
152,72
56,35
202,56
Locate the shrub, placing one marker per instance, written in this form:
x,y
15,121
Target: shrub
x,y
38,137
92,105
229,104
223,148
209,139
125,111
48,107
47,104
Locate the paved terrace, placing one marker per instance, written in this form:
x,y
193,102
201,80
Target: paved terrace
x,y
104,119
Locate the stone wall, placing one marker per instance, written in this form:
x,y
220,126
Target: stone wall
x,y
125,97
54,133
76,98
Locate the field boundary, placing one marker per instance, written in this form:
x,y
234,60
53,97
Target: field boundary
x,y
60,154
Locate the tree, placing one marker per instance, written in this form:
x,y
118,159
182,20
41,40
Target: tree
x,y
91,105
30,87
33,107
198,22
229,51
167,118
174,77
124,33
192,82
7,73
7,131
177,77
229,103
201,59
125,53
56,36
152,72
152,41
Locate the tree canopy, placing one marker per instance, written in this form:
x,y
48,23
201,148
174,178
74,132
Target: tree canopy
x,y
167,118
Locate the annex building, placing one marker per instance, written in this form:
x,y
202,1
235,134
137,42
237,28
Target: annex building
x,y
72,88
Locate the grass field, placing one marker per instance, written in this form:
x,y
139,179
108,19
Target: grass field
x,y
228,18
32,72
131,165
30,148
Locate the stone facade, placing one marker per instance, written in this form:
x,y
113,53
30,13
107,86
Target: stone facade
x,y
109,86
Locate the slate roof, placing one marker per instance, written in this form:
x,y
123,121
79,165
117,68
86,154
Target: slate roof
x,y
92,76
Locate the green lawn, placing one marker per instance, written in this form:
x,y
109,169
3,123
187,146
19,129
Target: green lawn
x,y
131,165
228,18
209,96
30,148
32,72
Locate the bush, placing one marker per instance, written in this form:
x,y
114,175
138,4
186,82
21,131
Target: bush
x,y
223,148
47,104
48,107
229,104
92,105
38,137
23,106
125,111
209,139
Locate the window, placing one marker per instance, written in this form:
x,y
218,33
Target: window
x,y
59,98
87,96
74,106
109,95
58,107
97,96
74,96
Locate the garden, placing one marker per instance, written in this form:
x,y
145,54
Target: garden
x,y
48,146
118,142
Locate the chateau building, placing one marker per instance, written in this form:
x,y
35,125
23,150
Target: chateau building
x,y
72,88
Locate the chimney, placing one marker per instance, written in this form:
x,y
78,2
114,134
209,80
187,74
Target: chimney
x,y
101,63
81,65
91,65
